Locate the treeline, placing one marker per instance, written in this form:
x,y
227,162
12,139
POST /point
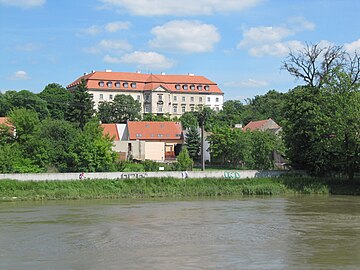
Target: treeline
x,y
59,130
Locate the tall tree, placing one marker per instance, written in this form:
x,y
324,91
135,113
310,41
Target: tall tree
x,y
81,109
57,98
192,141
322,118
189,120
123,108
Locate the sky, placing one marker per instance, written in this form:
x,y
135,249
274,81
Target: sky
x,y
239,44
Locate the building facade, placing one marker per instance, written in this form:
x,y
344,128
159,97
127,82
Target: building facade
x,y
157,94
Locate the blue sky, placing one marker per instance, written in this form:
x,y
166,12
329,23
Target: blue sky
x,y
239,44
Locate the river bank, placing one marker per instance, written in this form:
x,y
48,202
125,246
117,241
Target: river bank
x,y
172,187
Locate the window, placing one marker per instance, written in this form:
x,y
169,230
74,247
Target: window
x,y
101,84
109,84
110,96
192,108
133,85
175,109
138,135
160,97
160,135
200,99
147,109
185,87
175,98
192,87
160,108
191,99
147,97
126,85
183,99
199,87
207,88
217,99
138,97
117,84
177,86
101,96
208,99
183,109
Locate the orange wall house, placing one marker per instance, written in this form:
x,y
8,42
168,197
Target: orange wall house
x,y
158,94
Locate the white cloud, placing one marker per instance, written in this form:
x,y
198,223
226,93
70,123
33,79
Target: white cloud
x,y
28,47
116,26
353,46
23,3
110,27
185,36
179,8
19,75
249,83
92,30
270,40
107,45
276,49
144,60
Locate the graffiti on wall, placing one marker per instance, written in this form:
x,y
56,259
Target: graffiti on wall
x,y
133,175
232,175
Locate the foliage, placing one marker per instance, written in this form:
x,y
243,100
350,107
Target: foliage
x,y
322,123
189,120
232,113
57,99
26,122
158,118
192,141
123,108
184,160
23,99
81,108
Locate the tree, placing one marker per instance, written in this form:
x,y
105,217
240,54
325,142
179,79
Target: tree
x,y
203,114
184,161
189,120
57,98
231,113
26,123
192,142
123,108
23,99
81,108
321,130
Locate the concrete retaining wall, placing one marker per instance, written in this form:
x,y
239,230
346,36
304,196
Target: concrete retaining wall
x,y
133,175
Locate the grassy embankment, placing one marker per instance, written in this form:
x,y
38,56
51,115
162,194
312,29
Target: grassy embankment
x,y
171,187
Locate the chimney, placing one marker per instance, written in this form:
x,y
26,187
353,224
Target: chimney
x,y
162,73
107,70
191,74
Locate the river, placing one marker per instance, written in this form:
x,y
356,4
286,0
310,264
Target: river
x,y
295,232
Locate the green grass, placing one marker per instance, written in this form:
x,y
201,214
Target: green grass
x,y
172,187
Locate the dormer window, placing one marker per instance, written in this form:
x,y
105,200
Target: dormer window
x,y
177,86
126,85
109,84
207,88
133,85
199,87
117,84
192,87
101,84
185,87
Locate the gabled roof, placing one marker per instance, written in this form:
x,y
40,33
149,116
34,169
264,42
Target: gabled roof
x,y
146,82
111,130
148,130
262,125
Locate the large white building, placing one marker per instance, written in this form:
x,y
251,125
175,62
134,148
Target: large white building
x,y
157,94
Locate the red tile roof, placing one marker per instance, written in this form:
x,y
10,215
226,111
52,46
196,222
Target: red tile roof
x,y
256,125
148,130
111,130
146,82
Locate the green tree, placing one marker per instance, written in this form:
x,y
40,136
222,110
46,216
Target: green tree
x,y
192,141
57,98
184,160
23,99
231,113
189,120
26,123
81,108
123,108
